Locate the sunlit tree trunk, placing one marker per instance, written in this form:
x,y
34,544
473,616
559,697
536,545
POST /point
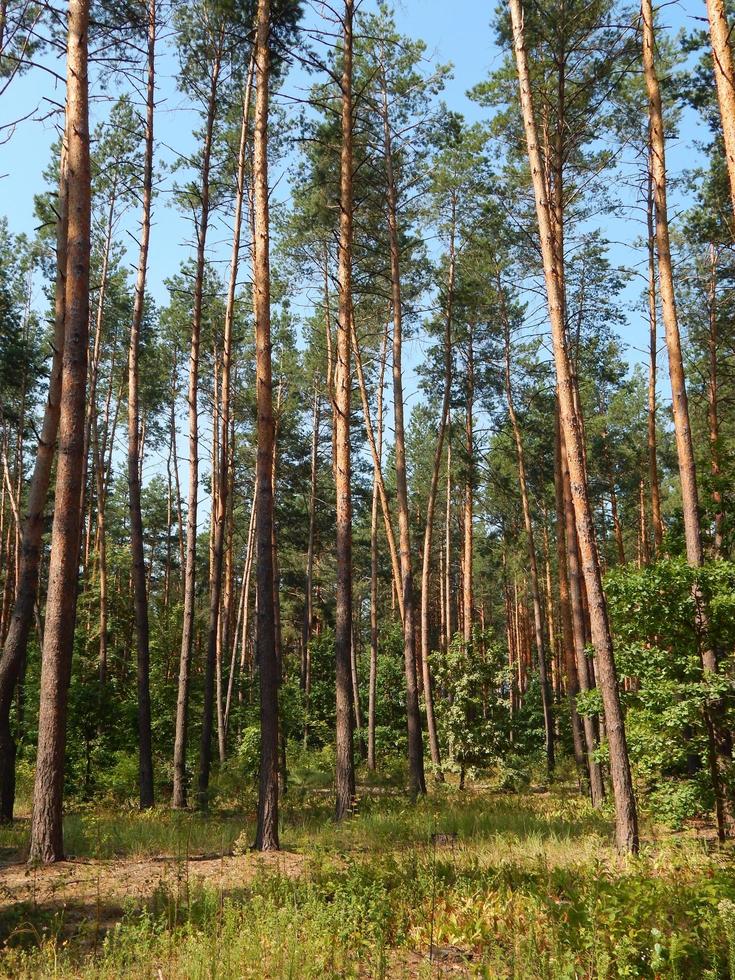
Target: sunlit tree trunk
x,y
713,386
719,747
655,489
345,768
266,838
220,499
725,80
372,688
46,842
625,808
416,778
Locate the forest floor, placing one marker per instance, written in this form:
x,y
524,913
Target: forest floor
x,y
480,883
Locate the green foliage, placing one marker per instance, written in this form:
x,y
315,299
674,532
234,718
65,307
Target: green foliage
x,y
658,648
472,710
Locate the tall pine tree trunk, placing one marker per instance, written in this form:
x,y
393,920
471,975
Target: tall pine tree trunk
x,y
718,737
655,489
145,749
266,837
725,80
416,778
626,820
431,506
345,768
187,635
16,641
220,499
538,616
46,843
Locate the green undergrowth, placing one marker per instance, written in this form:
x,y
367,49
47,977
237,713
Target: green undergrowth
x,y
501,885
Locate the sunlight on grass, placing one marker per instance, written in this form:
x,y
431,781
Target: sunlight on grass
x,y
513,886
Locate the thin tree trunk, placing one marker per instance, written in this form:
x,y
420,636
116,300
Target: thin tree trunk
x,y
145,747
46,843
417,783
448,536
220,500
372,690
378,471
266,838
625,808
16,641
309,577
345,768
187,636
431,505
538,616
717,734
713,402
468,559
655,489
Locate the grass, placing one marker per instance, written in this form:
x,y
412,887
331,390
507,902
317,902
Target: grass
x,y
530,886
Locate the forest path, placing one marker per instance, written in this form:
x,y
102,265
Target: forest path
x,y
103,888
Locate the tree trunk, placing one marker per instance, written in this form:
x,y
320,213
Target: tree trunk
x,y
187,635
658,525
378,471
46,843
266,838
585,678
309,577
16,640
220,501
625,808
416,779
538,617
467,596
725,79
145,749
713,419
372,690
430,508
345,768
718,737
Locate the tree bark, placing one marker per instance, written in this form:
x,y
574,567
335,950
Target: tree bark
x,y
538,616
266,838
725,80
719,749
16,640
372,689
220,499
417,783
345,768
145,749
46,843
431,506
187,636
655,489
626,820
